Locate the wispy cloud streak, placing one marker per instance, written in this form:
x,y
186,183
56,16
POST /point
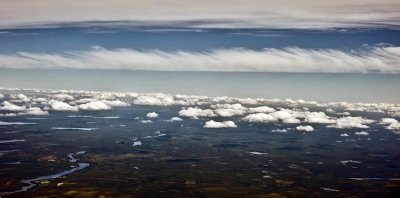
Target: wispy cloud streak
x,y
377,59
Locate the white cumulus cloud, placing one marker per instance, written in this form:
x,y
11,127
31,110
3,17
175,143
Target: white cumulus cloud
x,y
260,117
152,115
230,110
361,133
195,112
146,121
115,103
8,106
61,106
95,106
388,121
351,122
306,128
224,124
284,115
392,124
62,97
175,119
261,109
319,117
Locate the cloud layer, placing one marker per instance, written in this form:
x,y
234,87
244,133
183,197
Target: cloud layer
x,y
215,125
206,13
215,112
377,59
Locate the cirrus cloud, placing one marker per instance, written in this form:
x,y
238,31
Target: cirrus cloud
x,y
292,59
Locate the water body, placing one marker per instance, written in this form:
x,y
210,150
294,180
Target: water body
x,y
320,87
30,183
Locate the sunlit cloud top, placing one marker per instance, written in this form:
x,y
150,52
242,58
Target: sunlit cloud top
x,y
308,14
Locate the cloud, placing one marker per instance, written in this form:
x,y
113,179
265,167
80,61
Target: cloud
x,y
351,122
329,110
159,99
40,100
224,124
8,106
260,117
279,130
20,97
137,143
175,119
291,121
206,13
283,111
34,111
11,141
388,121
95,106
1,96
62,97
229,110
262,109
61,106
8,114
284,115
73,128
156,100
306,128
378,59
115,103
361,133
257,153
392,124
319,117
195,112
152,115
16,123
146,121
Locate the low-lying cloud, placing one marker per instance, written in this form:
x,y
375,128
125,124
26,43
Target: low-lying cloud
x,y
285,115
377,59
215,125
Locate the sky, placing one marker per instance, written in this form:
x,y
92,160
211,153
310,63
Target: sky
x,y
290,36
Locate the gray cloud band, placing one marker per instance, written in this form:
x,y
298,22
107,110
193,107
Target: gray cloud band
x,y
206,13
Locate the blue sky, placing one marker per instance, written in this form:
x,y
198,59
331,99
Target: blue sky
x,y
174,38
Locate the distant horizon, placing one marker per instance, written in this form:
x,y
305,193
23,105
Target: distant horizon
x,y
321,87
